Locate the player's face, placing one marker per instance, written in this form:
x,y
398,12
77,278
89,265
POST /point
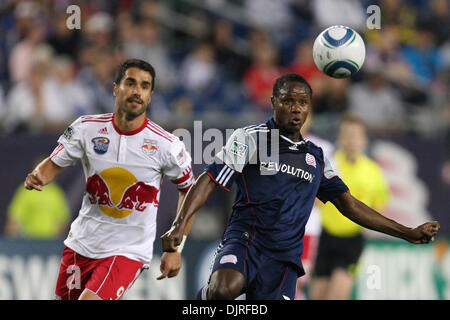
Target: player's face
x,y
352,137
134,92
291,107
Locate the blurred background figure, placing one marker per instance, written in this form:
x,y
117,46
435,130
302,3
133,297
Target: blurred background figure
x,y
377,104
313,226
260,76
303,64
341,241
40,104
38,215
343,12
146,44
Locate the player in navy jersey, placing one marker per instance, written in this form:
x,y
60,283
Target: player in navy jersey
x,y
278,175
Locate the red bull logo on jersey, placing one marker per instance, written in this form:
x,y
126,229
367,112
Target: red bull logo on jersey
x,y
149,147
117,193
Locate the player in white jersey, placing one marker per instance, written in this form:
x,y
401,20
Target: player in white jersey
x,y
125,157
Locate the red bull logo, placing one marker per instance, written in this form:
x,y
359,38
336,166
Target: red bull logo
x,y
149,147
118,193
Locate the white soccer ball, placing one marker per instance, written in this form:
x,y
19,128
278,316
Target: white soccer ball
x,y
339,51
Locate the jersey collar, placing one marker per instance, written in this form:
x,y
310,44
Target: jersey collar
x,y
272,125
130,133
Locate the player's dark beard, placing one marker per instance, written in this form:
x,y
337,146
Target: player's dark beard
x,y
130,115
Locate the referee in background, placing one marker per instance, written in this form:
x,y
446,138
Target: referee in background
x,y
341,241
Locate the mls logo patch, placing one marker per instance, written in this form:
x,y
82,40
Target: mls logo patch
x,y
68,133
238,148
149,147
309,158
101,145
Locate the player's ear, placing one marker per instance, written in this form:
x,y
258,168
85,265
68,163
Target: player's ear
x,y
272,99
115,88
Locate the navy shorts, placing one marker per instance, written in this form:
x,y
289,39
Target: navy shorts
x,y
265,277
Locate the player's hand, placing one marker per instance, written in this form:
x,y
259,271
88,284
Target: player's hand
x,y
171,239
423,233
170,265
34,181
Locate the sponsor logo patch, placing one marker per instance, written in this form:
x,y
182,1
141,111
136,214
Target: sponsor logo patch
x,y
101,144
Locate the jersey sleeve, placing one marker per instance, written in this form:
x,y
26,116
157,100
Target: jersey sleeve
x,y
179,168
69,148
231,160
331,185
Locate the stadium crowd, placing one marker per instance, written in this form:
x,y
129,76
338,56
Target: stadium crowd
x,y
220,57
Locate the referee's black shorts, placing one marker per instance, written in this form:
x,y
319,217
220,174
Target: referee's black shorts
x,y
337,252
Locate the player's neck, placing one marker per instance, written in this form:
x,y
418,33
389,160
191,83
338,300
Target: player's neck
x,y
127,125
351,157
293,136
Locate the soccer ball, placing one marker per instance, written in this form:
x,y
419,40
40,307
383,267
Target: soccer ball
x,y
339,51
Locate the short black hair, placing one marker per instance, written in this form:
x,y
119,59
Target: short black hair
x,y
135,63
289,77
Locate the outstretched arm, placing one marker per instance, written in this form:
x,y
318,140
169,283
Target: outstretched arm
x,y
43,174
194,200
365,216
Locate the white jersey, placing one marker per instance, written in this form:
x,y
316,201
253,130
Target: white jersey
x,y
124,174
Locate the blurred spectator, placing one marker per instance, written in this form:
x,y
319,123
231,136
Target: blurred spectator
x,y
349,13
63,40
147,45
424,57
400,14
377,104
199,68
98,30
98,75
384,51
259,78
38,214
37,104
27,51
304,65
437,20
153,10
333,97
198,25
228,52
272,16
199,77
71,94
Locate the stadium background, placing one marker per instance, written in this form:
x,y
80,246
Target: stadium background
x,y
216,61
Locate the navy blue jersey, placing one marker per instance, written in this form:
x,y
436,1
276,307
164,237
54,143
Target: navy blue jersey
x,y
277,182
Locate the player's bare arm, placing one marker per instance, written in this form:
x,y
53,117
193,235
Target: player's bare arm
x,y
43,174
171,261
365,216
195,199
